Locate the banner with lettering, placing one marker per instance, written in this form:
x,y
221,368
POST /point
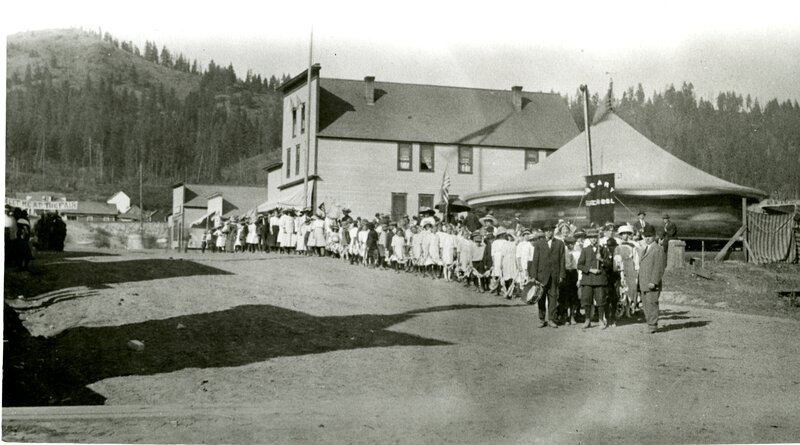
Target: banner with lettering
x,y
42,205
599,198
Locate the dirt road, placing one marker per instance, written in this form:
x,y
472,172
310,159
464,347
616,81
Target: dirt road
x,y
268,349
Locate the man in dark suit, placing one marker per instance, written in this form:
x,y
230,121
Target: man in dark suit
x,y
594,281
639,225
651,269
670,232
549,268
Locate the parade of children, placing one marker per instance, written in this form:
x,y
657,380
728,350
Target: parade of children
x,y
577,276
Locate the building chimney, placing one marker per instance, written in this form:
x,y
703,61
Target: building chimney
x,y
516,98
369,89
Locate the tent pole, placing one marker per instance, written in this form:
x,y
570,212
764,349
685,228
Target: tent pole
x,y
744,235
588,131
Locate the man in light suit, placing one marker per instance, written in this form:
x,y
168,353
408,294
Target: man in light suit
x,y
549,268
651,269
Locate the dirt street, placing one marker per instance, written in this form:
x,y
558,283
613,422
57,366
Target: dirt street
x,y
276,349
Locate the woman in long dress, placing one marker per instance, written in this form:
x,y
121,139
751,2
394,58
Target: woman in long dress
x,y
274,229
318,232
302,225
286,232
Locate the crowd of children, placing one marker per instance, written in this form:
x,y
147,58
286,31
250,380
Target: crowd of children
x,y
487,256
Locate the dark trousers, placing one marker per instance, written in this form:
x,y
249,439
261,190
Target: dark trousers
x,y
612,295
650,306
550,298
593,295
568,293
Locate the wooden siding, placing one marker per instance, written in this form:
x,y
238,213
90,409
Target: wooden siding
x,y
298,96
363,174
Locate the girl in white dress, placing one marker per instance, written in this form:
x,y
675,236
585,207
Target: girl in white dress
x,y
398,257
252,236
305,224
447,242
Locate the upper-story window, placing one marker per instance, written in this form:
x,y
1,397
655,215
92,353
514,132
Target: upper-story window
x,y
303,118
404,156
531,158
297,151
425,157
294,122
465,159
288,161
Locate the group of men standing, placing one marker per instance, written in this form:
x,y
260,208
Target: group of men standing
x,y
616,264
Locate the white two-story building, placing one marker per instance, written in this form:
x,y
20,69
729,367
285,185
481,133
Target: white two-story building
x,y
385,147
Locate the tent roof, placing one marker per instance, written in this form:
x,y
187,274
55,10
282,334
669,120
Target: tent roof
x,y
642,168
292,199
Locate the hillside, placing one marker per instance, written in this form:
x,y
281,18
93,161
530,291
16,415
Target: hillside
x,y
71,55
83,112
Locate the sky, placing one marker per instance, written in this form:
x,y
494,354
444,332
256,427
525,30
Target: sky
x,y
748,47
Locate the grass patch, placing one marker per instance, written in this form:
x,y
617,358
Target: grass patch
x,y
738,286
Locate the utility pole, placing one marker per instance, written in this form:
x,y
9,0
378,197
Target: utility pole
x,y
141,204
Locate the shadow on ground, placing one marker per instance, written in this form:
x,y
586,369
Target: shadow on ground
x,y
52,275
56,371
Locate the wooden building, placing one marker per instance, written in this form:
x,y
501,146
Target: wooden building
x,y
384,147
196,207
647,178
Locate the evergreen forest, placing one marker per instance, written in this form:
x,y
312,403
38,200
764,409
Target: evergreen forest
x,y
84,111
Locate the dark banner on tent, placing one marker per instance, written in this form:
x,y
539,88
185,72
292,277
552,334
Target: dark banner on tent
x,y
599,198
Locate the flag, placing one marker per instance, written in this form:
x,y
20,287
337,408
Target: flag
x,y
445,187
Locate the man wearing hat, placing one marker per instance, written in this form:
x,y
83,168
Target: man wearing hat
x,y
548,267
593,279
651,270
670,232
639,225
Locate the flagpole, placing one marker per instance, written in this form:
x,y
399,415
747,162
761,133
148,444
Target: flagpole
x,y
308,118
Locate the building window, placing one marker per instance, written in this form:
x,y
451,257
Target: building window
x,y
302,118
425,157
297,151
294,122
288,161
399,210
465,160
531,158
425,200
404,156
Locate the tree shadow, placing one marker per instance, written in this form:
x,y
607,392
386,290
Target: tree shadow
x,y
57,370
48,277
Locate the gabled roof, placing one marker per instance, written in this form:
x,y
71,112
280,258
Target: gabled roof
x,y
443,115
92,208
642,168
117,194
240,198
